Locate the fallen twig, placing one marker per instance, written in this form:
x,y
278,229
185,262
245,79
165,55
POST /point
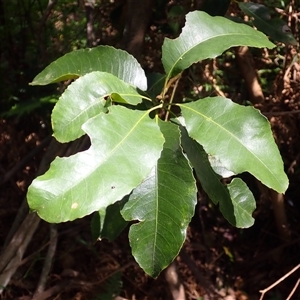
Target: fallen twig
x,y
278,281
293,290
48,261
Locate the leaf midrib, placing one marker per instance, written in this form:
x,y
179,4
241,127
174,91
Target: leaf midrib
x,y
237,139
200,44
109,155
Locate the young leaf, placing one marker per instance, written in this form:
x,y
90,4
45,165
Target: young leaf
x,y
240,137
210,37
236,201
101,58
121,155
164,205
277,29
84,99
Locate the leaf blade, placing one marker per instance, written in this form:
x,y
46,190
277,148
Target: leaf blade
x,y
102,58
243,138
235,200
243,202
211,37
163,204
91,180
84,99
277,29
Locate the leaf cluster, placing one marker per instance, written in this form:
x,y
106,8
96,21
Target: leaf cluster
x,y
141,163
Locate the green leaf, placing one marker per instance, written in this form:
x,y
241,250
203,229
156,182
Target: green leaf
x,y
207,37
108,222
276,28
84,99
239,137
210,181
164,205
101,58
243,203
219,168
236,201
120,157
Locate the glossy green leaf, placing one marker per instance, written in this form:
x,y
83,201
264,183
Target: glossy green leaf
x,y
101,58
235,200
239,137
207,37
210,181
120,157
108,222
84,99
243,203
276,28
164,205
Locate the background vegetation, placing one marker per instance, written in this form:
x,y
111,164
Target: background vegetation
x,y
216,257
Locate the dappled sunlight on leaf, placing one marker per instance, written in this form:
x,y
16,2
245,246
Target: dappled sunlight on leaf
x,y
91,180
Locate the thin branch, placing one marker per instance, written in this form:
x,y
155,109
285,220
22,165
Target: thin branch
x,y
167,85
48,261
277,282
172,97
293,290
15,250
47,12
42,24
